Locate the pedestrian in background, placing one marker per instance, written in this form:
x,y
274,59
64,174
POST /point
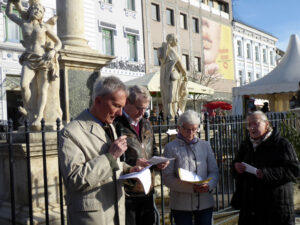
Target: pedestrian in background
x,y
265,107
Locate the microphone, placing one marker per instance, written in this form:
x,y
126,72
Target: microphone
x,y
120,132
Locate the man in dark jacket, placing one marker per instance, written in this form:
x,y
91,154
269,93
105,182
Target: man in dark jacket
x,y
140,208
266,197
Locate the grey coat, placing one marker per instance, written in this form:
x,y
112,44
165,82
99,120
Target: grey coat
x,y
198,158
87,172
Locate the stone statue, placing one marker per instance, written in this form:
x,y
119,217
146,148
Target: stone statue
x,y
173,79
40,71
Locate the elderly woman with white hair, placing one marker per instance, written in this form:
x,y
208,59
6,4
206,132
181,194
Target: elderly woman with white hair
x,y
265,197
190,201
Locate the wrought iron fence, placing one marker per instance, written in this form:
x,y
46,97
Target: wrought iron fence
x,y
22,150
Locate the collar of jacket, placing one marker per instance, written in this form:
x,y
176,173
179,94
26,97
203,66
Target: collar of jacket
x,y
194,141
89,122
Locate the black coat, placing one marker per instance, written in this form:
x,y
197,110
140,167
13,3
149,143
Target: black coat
x,y
267,201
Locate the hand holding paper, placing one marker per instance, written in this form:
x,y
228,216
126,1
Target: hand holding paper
x,y
249,168
144,177
191,177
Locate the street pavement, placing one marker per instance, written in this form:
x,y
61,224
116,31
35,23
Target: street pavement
x,y
297,220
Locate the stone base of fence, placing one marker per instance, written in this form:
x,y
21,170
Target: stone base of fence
x,y
21,187
22,214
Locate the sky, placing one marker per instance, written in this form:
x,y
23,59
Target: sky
x,y
280,18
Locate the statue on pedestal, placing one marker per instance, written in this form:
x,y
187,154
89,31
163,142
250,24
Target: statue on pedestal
x,y
173,79
40,69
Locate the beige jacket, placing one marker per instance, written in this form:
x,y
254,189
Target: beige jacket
x,y
87,173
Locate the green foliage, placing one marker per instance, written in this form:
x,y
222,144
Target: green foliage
x,y
290,132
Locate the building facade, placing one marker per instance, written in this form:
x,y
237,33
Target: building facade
x,y
203,30
120,34
254,51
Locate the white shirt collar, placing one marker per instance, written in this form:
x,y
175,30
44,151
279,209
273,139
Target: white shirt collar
x,y
130,120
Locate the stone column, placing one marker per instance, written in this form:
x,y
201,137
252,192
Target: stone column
x,y
79,64
70,26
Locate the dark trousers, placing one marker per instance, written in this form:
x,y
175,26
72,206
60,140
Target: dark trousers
x,y
140,210
201,217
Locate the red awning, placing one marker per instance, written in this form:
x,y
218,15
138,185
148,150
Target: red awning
x,y
218,104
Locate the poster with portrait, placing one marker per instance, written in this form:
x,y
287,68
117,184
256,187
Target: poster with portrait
x,y
218,51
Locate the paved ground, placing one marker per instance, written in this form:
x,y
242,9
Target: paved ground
x,y
297,220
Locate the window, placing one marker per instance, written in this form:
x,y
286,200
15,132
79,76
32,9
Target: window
x,y
155,12
241,77
223,7
271,58
195,22
183,22
239,48
155,57
185,61
210,3
265,55
256,53
131,5
108,1
248,51
107,42
170,17
249,76
12,30
197,64
132,47
257,76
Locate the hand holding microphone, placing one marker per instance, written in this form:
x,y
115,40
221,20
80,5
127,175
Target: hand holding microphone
x,y
120,132
118,147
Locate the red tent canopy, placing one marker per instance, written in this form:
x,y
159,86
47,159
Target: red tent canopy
x,y
218,104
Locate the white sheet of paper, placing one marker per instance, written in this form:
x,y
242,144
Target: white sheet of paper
x,y
144,177
158,159
249,168
192,177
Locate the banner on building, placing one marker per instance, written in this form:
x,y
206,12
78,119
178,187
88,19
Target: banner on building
x,y
218,52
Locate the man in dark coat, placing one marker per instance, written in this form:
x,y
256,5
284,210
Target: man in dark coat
x,y
265,198
140,207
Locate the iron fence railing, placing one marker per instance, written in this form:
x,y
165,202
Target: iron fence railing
x,y
223,133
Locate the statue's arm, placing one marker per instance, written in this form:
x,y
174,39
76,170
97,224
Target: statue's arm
x,y
57,44
55,39
181,69
11,15
21,10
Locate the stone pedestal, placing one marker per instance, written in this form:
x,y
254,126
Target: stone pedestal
x,y
21,181
79,64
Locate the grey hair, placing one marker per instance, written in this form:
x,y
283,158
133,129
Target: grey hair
x,y
189,117
261,115
136,92
107,85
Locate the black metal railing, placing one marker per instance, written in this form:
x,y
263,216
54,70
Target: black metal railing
x,y
223,133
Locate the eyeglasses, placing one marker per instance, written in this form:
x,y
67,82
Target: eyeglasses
x,y
254,124
193,130
141,108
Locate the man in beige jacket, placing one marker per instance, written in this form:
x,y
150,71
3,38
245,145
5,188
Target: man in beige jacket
x,y
89,158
